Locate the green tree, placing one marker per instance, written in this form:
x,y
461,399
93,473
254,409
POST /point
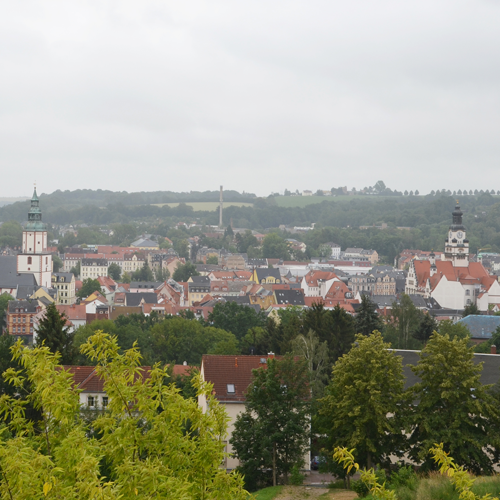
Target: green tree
x,y
243,242
213,259
452,407
273,431
54,333
114,271
126,278
453,330
235,318
316,355
6,362
470,309
76,269
275,247
177,340
5,298
184,271
363,399
367,318
404,320
143,274
57,263
89,286
153,443
11,234
335,326
427,327
123,234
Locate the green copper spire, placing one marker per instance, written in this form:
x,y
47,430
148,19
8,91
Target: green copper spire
x,y
35,215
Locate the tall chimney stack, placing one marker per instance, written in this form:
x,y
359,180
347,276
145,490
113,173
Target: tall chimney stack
x,y
220,208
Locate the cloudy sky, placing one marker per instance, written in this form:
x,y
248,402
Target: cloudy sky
x,y
258,96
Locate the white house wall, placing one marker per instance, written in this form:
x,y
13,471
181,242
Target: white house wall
x,y
449,294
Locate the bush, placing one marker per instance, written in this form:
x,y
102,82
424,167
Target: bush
x,y
404,477
296,478
362,489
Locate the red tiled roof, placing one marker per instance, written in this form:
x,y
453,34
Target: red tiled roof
x,y
87,380
312,277
74,312
223,370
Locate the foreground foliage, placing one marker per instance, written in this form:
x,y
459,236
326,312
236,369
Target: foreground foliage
x,y
150,442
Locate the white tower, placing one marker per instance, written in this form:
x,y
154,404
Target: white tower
x,y
35,259
456,248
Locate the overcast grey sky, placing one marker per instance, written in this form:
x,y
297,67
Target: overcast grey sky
x,y
257,96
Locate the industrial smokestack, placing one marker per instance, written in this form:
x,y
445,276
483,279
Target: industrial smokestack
x,y
220,208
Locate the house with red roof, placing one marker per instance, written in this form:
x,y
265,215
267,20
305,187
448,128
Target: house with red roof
x,y
317,283
231,376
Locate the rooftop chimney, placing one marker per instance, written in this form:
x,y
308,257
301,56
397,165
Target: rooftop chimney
x,y
493,349
270,355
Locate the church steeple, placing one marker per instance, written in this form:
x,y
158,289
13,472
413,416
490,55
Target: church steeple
x,y
456,248
35,214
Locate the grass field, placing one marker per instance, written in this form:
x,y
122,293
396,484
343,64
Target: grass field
x,y
206,206
303,201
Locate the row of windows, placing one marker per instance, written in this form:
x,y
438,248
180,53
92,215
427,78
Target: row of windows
x,y
21,330
93,401
22,319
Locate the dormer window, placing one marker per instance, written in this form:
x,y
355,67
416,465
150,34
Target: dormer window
x,y
230,389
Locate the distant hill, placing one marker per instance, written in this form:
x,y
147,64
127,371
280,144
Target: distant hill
x,y
81,201
9,200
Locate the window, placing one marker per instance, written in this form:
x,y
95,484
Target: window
x,y
105,401
90,401
230,389
29,259
467,292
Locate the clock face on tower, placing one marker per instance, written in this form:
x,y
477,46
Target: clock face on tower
x,y
460,234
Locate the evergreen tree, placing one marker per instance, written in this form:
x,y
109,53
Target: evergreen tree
x,y
54,332
452,407
273,431
427,327
184,271
361,409
367,318
114,271
143,274
470,309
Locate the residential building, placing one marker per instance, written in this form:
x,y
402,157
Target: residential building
x,y
64,283
266,276
231,376
198,288
93,268
19,318
145,244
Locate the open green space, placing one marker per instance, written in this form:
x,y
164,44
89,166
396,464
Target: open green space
x,y
205,206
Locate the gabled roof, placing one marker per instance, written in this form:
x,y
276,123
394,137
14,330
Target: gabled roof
x,y
289,297
313,278
74,312
135,299
235,370
87,380
9,277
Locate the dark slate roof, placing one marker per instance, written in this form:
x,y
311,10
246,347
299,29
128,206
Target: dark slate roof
x,y
94,262
134,299
27,306
67,277
26,291
292,297
207,268
422,303
9,278
481,327
256,262
145,284
263,273
200,280
489,375
384,300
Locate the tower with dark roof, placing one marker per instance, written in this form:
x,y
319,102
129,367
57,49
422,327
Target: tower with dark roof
x,y
34,258
456,247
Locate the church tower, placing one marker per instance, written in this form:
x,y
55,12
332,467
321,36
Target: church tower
x,y
456,247
35,259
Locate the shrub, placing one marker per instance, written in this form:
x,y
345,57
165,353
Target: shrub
x,y
296,478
